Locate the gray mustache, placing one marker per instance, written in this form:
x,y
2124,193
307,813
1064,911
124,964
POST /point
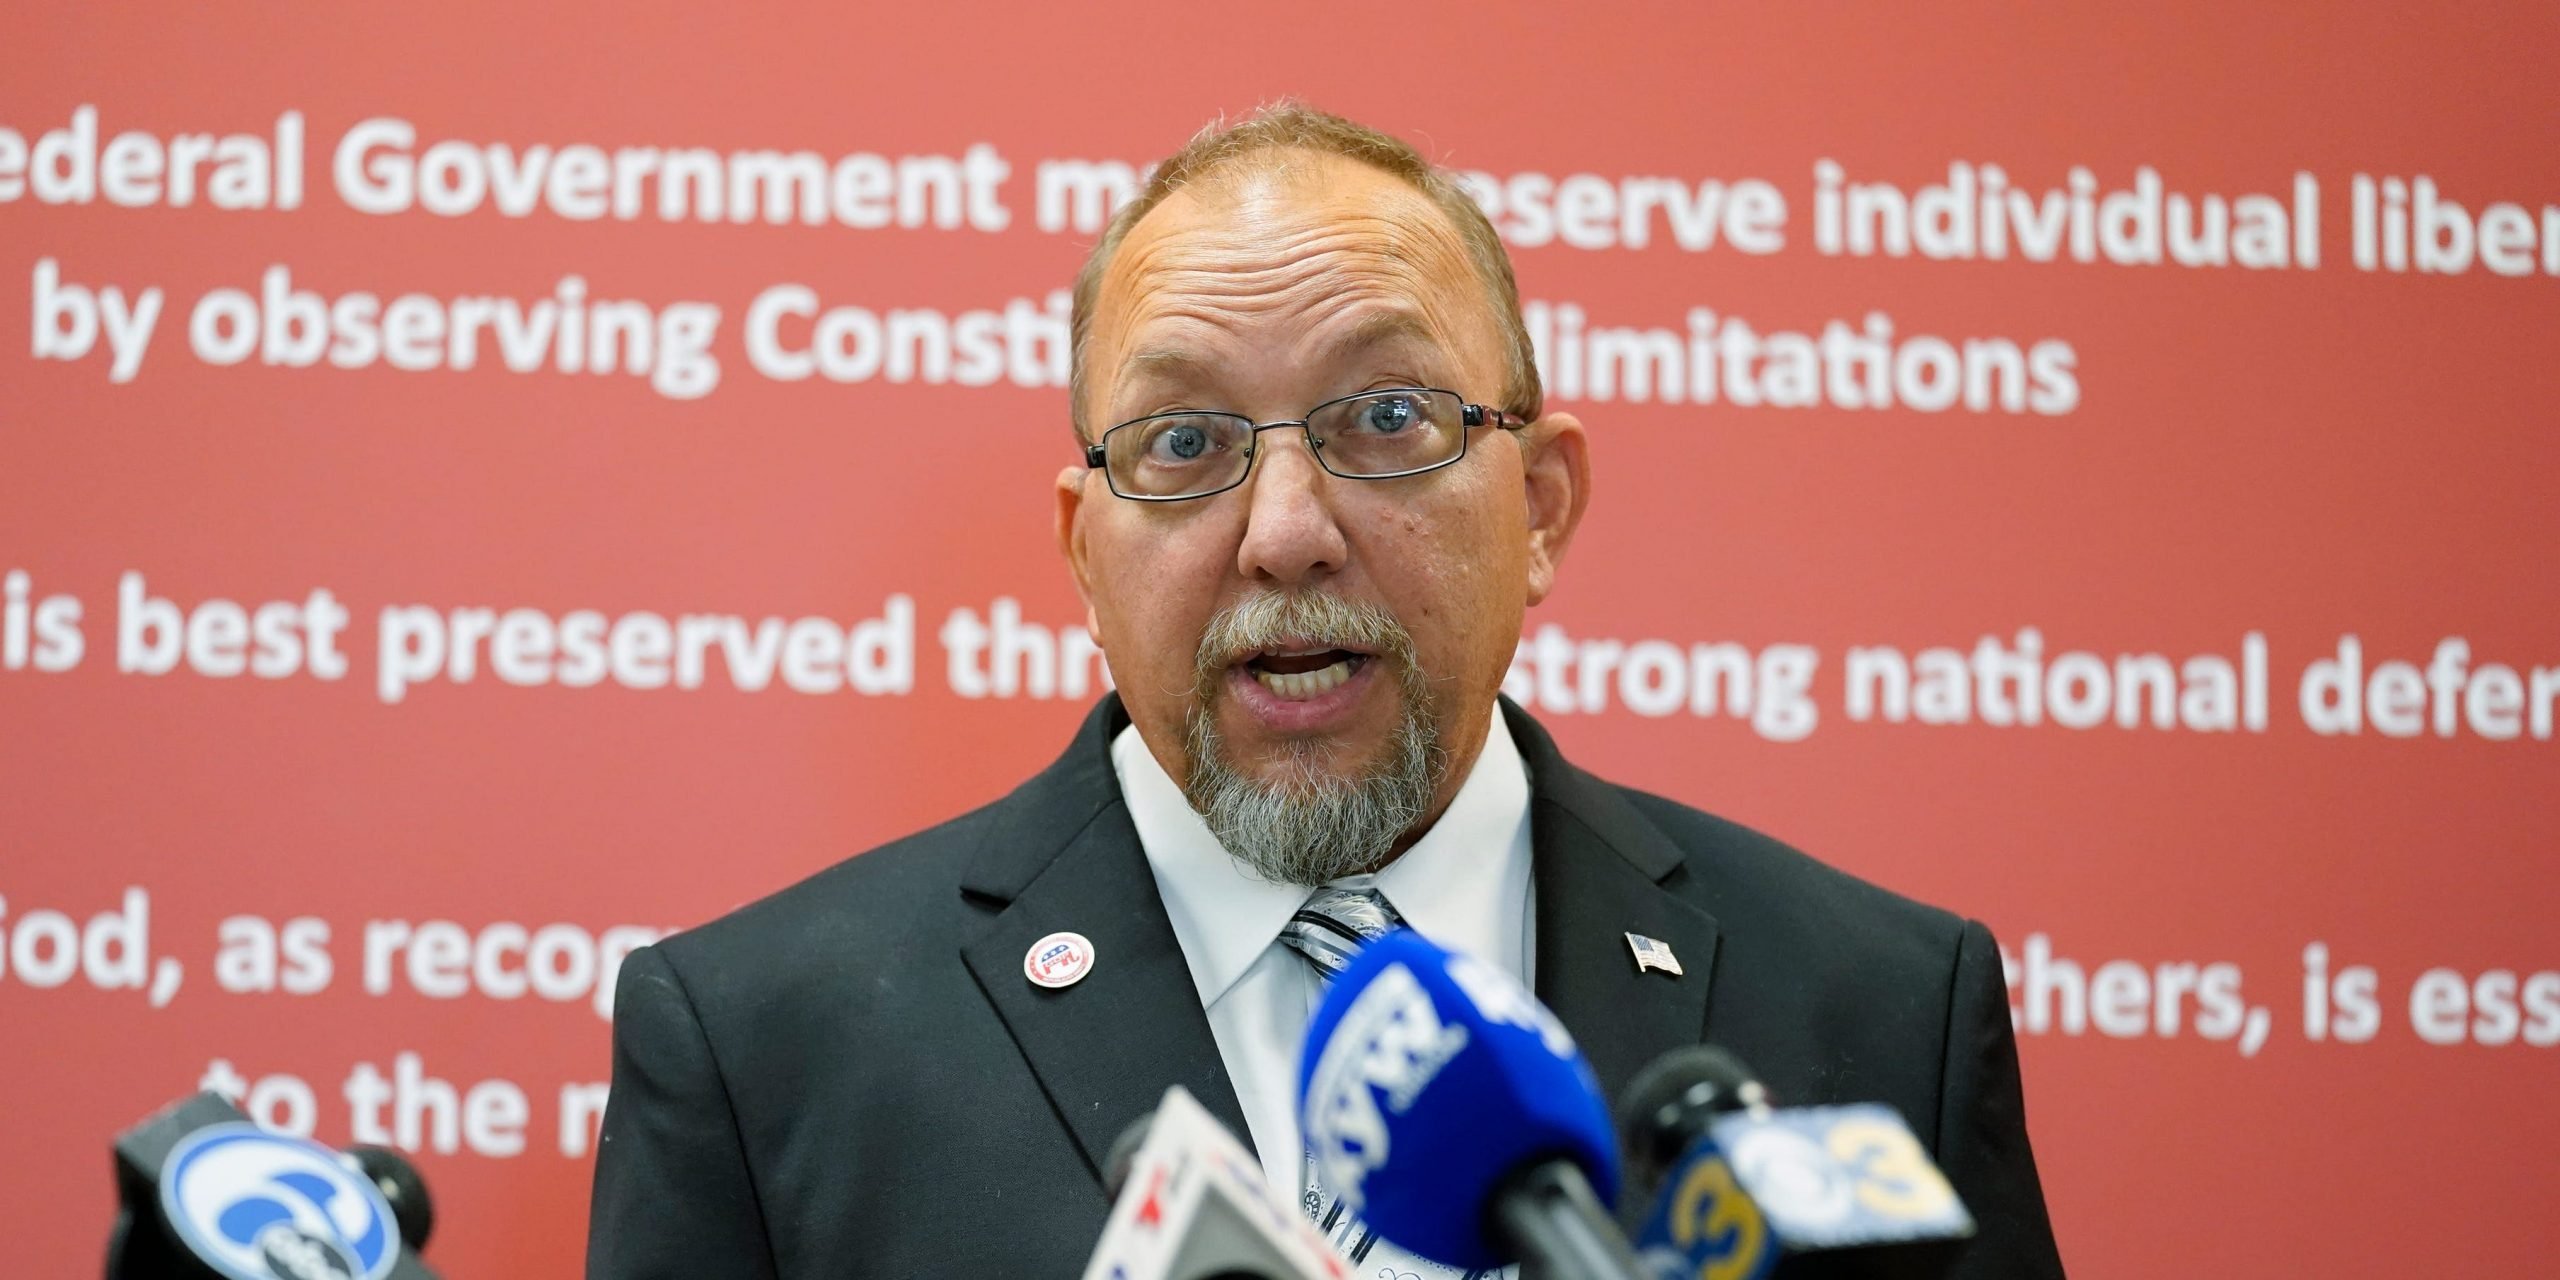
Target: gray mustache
x,y
1273,618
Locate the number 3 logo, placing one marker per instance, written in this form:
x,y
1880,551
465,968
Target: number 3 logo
x,y
1895,1177
1711,1209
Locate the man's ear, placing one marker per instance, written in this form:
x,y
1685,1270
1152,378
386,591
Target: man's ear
x,y
1071,480
1555,465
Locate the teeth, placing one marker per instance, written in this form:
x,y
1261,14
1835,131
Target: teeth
x,y
1305,684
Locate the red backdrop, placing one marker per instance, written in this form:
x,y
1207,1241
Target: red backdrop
x,y
2183,456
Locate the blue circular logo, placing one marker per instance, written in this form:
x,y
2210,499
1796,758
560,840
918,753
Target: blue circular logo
x,y
256,1205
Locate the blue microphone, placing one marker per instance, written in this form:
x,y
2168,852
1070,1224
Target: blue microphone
x,y
1453,1113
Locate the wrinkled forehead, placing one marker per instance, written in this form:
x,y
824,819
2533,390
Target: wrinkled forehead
x,y
1278,276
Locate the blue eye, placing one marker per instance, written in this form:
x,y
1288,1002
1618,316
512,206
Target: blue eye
x,y
1180,440
1388,415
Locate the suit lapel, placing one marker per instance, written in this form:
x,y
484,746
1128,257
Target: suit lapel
x,y
1060,855
1602,872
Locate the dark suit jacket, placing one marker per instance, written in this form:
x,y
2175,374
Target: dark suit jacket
x,y
854,1078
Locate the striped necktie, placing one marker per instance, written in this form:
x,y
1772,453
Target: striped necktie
x,y
1335,922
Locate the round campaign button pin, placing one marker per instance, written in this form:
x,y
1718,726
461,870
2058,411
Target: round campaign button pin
x,y
1059,960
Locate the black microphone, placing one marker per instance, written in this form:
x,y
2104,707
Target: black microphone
x,y
1749,1191
403,1187
1668,1107
206,1195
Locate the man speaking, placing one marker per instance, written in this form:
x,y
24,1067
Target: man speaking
x,y
1315,491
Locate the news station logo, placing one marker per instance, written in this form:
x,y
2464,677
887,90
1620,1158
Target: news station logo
x,y
263,1206
1390,1039
1836,1174
1802,1180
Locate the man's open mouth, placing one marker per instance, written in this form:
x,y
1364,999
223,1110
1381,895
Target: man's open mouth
x,y
1304,673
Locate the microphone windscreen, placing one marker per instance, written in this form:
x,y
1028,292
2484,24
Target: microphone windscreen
x,y
1429,1077
400,1184
1669,1105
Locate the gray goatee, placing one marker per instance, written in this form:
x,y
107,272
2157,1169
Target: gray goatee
x,y
1309,825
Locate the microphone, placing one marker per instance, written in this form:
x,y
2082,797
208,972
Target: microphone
x,y
1452,1111
1752,1192
402,1188
1668,1108
1189,1203
204,1193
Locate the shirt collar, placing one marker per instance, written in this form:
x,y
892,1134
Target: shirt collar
x,y
1465,883
1451,885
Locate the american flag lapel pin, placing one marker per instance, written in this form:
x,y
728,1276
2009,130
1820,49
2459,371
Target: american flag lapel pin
x,y
1652,953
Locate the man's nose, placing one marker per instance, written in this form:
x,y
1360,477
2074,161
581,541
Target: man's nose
x,y
1290,535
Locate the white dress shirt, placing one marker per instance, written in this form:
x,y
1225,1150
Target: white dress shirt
x,y
1464,885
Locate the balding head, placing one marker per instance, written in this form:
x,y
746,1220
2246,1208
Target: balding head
x,y
1292,139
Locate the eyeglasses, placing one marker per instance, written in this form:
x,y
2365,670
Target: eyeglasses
x,y
1375,435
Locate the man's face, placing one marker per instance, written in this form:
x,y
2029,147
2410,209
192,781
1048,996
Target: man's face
x,y
1265,294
